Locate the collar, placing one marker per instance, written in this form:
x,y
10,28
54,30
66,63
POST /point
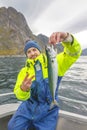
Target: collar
x,y
42,59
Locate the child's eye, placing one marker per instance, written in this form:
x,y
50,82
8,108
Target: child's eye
x,y
34,49
29,51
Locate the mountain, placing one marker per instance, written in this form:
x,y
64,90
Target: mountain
x,y
43,38
84,52
14,31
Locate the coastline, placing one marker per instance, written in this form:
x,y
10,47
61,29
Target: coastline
x,y
3,56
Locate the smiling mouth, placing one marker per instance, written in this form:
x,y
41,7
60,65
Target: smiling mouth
x,y
33,57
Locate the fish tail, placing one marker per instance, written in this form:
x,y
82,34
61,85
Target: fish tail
x,y
54,103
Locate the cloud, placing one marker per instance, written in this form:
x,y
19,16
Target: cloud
x,y
76,24
30,8
66,15
47,16
51,15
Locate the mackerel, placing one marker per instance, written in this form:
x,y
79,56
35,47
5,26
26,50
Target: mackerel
x,y
51,53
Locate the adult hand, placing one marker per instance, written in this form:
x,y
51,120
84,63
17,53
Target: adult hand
x,y
26,84
57,37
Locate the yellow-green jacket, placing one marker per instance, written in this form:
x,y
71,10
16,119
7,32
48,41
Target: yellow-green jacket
x,y
40,88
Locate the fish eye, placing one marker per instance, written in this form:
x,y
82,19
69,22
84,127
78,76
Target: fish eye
x,y
52,60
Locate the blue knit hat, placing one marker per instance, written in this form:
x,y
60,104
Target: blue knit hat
x,y
30,44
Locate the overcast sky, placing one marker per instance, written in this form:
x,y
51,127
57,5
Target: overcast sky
x,y
47,16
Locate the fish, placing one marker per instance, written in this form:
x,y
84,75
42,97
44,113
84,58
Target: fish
x,y
51,53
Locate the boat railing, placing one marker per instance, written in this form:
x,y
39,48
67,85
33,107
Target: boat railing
x,y
6,94
60,97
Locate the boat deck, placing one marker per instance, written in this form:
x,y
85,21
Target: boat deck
x,y
67,120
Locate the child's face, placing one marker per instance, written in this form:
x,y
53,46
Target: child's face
x,y
32,53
